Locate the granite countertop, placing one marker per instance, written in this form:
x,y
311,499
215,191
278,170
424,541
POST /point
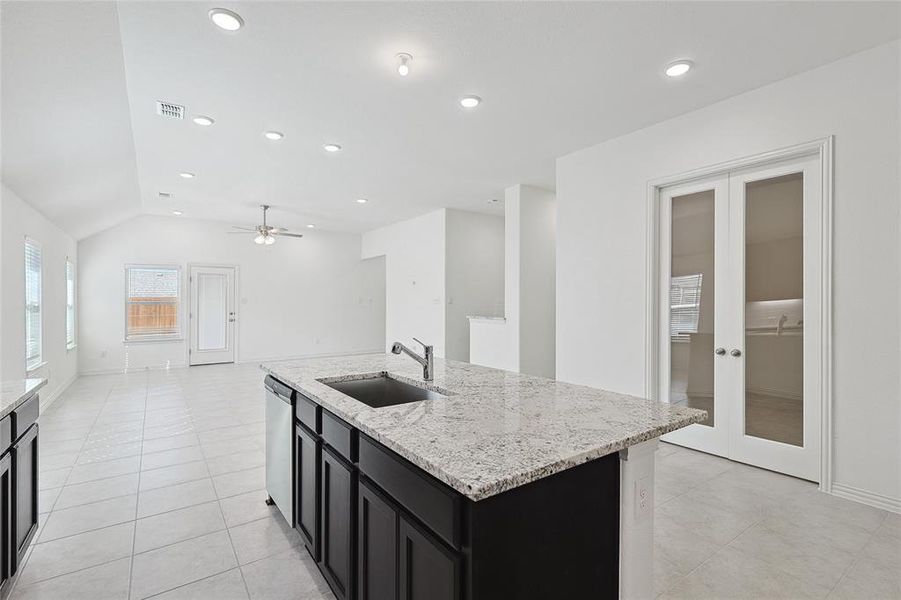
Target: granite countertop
x,y
16,391
498,430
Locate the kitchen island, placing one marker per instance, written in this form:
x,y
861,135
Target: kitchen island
x,y
499,485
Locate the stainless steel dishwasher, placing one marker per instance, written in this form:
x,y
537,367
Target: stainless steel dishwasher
x,y
279,448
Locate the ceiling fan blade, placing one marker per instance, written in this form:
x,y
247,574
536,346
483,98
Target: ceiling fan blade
x,y
244,228
242,232
294,235
278,229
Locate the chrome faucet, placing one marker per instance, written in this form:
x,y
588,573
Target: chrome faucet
x,y
427,361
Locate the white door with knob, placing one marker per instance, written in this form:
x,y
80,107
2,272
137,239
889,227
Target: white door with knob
x,y
212,316
740,313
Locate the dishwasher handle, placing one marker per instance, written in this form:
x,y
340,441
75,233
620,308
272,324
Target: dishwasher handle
x,y
274,386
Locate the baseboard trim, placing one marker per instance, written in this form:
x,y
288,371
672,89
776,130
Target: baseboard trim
x,y
305,356
48,399
869,498
91,372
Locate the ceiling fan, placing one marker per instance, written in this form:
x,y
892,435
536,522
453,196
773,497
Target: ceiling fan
x,y
265,234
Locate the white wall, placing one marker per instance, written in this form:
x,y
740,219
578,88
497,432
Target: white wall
x,y
475,275
602,220
19,220
525,340
414,255
298,297
439,268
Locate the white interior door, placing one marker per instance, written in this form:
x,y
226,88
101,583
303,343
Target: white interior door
x,y
694,221
741,315
775,248
212,317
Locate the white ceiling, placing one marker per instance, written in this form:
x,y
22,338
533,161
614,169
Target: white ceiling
x,y
82,142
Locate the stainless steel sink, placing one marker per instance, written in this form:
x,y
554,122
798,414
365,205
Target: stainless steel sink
x,y
382,390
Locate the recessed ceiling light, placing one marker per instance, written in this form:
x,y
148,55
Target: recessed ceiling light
x,y
332,148
311,226
362,200
177,213
273,135
203,120
226,19
470,101
187,175
678,68
403,63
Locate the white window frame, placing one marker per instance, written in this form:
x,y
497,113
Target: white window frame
x,y
35,362
71,267
169,337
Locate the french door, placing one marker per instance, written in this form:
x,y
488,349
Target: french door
x,y
740,309
212,316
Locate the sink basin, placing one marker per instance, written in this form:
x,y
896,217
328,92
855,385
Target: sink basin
x,y
382,390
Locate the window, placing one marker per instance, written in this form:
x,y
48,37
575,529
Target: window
x,y
685,305
32,304
70,304
151,302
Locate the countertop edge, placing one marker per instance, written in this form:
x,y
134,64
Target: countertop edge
x,y
29,390
498,486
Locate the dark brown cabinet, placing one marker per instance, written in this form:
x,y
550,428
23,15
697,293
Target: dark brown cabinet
x,y
377,522
307,449
338,522
427,570
25,485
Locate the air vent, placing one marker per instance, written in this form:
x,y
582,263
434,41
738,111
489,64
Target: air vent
x,y
165,195
173,111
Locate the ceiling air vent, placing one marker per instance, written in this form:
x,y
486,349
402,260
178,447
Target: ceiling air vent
x,y
167,109
165,195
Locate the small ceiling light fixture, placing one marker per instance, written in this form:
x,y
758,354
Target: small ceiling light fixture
x,y
226,19
470,101
187,175
403,63
177,213
362,200
678,68
203,120
332,148
311,226
273,135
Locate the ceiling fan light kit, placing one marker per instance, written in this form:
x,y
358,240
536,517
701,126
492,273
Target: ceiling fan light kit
x,y
265,234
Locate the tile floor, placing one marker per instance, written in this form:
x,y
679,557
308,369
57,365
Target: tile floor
x,y
152,486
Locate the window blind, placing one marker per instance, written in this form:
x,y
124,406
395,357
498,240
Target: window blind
x,y
32,303
685,305
152,302
70,304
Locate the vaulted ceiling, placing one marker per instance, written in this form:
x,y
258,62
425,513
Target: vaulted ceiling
x,y
82,142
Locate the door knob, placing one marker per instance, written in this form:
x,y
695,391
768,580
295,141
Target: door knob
x,y
719,351
735,352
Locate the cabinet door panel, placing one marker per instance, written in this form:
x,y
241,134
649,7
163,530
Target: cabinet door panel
x,y
428,570
306,481
25,494
338,524
377,543
6,508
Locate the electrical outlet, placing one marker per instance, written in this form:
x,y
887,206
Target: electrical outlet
x,y
642,498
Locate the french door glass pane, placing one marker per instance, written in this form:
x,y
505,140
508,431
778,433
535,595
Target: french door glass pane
x,y
774,314
692,302
212,305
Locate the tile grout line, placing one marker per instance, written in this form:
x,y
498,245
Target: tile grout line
x,y
228,533
134,532
857,556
